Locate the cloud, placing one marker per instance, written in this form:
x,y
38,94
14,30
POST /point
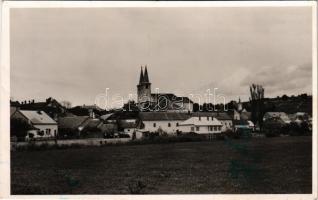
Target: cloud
x,y
277,80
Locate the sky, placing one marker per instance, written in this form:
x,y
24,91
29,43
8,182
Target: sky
x,y
74,54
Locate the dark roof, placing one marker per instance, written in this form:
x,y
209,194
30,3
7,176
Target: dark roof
x,y
143,76
71,122
94,107
171,97
123,116
185,99
124,124
91,123
33,106
219,116
14,103
161,116
240,122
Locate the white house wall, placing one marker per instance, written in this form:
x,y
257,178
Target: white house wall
x,y
163,124
226,125
43,127
202,129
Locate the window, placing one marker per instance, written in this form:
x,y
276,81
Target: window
x,y
197,128
177,124
225,123
215,128
192,129
207,118
154,125
199,118
169,125
219,128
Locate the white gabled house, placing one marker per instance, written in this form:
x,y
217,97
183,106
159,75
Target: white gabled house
x,y
201,125
43,125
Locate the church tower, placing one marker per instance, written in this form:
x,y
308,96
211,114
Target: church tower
x,y
144,87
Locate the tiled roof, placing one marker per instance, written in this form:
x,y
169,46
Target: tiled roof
x,y
219,116
123,115
37,117
71,122
163,116
91,123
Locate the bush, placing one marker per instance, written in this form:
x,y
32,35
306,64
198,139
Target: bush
x,y
230,134
155,138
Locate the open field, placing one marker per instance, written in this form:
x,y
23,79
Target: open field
x,y
263,165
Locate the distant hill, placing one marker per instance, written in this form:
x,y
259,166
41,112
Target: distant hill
x,y
289,105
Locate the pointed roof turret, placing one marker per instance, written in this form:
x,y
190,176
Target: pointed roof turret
x,y
146,79
141,78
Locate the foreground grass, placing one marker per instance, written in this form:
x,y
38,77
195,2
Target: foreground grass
x,y
267,165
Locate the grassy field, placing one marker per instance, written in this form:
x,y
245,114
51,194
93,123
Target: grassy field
x,y
264,165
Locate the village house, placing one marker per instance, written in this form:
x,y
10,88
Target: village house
x,y
42,124
85,126
281,115
201,125
92,111
167,122
50,106
223,117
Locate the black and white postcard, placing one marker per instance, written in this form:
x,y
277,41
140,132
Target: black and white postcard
x,y
217,99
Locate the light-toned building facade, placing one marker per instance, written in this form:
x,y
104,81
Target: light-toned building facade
x,y
224,118
46,127
168,122
201,125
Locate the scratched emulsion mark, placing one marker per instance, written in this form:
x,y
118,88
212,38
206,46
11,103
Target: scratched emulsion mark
x,y
244,170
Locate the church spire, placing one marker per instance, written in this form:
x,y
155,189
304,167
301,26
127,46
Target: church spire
x,y
141,78
146,79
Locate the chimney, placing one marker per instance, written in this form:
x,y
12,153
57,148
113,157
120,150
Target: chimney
x,y
32,100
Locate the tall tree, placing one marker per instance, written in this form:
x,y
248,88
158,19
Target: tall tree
x,y
257,103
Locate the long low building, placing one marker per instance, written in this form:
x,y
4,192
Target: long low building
x,y
164,121
172,123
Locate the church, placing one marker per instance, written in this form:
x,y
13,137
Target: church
x,y
161,102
